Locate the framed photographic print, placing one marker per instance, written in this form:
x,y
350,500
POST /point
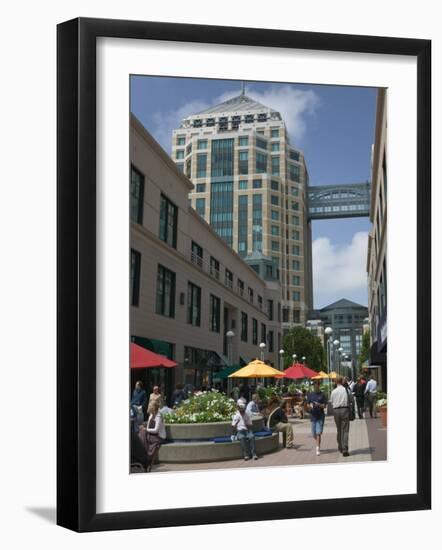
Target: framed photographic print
x,y
224,276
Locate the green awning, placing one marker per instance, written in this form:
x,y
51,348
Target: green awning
x,y
223,374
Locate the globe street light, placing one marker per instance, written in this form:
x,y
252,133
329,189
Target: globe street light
x,y
340,350
328,333
294,356
229,335
263,347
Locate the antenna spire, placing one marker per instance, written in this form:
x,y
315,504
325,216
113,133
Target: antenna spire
x,y
243,87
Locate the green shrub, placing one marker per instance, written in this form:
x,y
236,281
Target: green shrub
x,y
211,406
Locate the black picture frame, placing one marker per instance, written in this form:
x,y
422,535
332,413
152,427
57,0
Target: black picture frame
x,y
76,273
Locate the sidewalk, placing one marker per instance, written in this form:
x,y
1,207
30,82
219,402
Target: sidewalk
x,y
367,442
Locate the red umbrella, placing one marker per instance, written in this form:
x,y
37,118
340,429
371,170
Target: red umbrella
x,y
298,370
142,358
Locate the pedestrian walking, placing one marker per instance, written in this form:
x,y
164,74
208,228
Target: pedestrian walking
x,y
138,401
340,401
242,423
370,393
316,402
359,392
178,395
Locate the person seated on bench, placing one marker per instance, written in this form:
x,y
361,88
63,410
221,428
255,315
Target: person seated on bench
x,y
242,423
154,434
277,421
253,405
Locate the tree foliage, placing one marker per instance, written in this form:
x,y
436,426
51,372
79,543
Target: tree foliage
x,y
365,348
301,341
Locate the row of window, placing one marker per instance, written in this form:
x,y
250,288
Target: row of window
x,y
243,185
265,336
296,315
235,120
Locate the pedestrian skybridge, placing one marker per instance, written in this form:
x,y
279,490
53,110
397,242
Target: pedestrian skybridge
x,y
350,200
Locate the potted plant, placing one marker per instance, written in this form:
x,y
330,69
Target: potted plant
x,y
381,406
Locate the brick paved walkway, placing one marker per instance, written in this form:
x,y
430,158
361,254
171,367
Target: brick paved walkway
x,y
367,442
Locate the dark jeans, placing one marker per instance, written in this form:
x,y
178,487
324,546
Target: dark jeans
x,y
342,421
371,398
360,404
247,440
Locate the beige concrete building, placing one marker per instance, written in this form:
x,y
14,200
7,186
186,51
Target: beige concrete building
x,y
250,185
188,287
377,244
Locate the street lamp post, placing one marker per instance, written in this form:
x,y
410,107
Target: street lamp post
x,y
294,356
340,350
281,360
262,347
335,357
328,333
229,335
303,358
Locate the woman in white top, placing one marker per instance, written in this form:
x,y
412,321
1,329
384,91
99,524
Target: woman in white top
x,y
154,434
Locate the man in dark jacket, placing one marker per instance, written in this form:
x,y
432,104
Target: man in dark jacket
x,y
277,421
359,391
139,398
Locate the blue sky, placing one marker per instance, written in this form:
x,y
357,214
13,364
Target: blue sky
x,y
333,125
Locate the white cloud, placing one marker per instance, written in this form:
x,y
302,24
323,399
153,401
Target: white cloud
x,y
339,271
294,106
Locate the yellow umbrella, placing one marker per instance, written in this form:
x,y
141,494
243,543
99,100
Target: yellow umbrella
x,y
333,375
256,369
320,376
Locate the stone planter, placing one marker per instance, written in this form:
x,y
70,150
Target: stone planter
x,y
209,430
382,411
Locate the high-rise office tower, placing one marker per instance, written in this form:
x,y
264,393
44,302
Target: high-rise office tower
x,y
251,186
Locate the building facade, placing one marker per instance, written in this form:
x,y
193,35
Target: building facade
x,y
347,319
188,288
251,187
377,243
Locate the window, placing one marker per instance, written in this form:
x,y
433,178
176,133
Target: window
x,y
136,195
243,162
295,191
274,200
261,163
295,220
296,316
275,185
197,123
181,140
261,143
243,141
263,333
257,184
271,341
293,172
260,301
200,207
270,309
244,323
296,296
168,221
285,314
295,235
294,155
179,154
275,215
275,166
275,230
296,280
275,246
228,278
193,305
255,332
251,295
243,224
296,250
214,267
275,146
197,254
165,296
242,185
221,209
202,144
180,166
240,285
135,266
248,119
222,158
215,313
200,187
262,117
275,132
295,205
210,122
269,272
201,165
189,168
257,223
